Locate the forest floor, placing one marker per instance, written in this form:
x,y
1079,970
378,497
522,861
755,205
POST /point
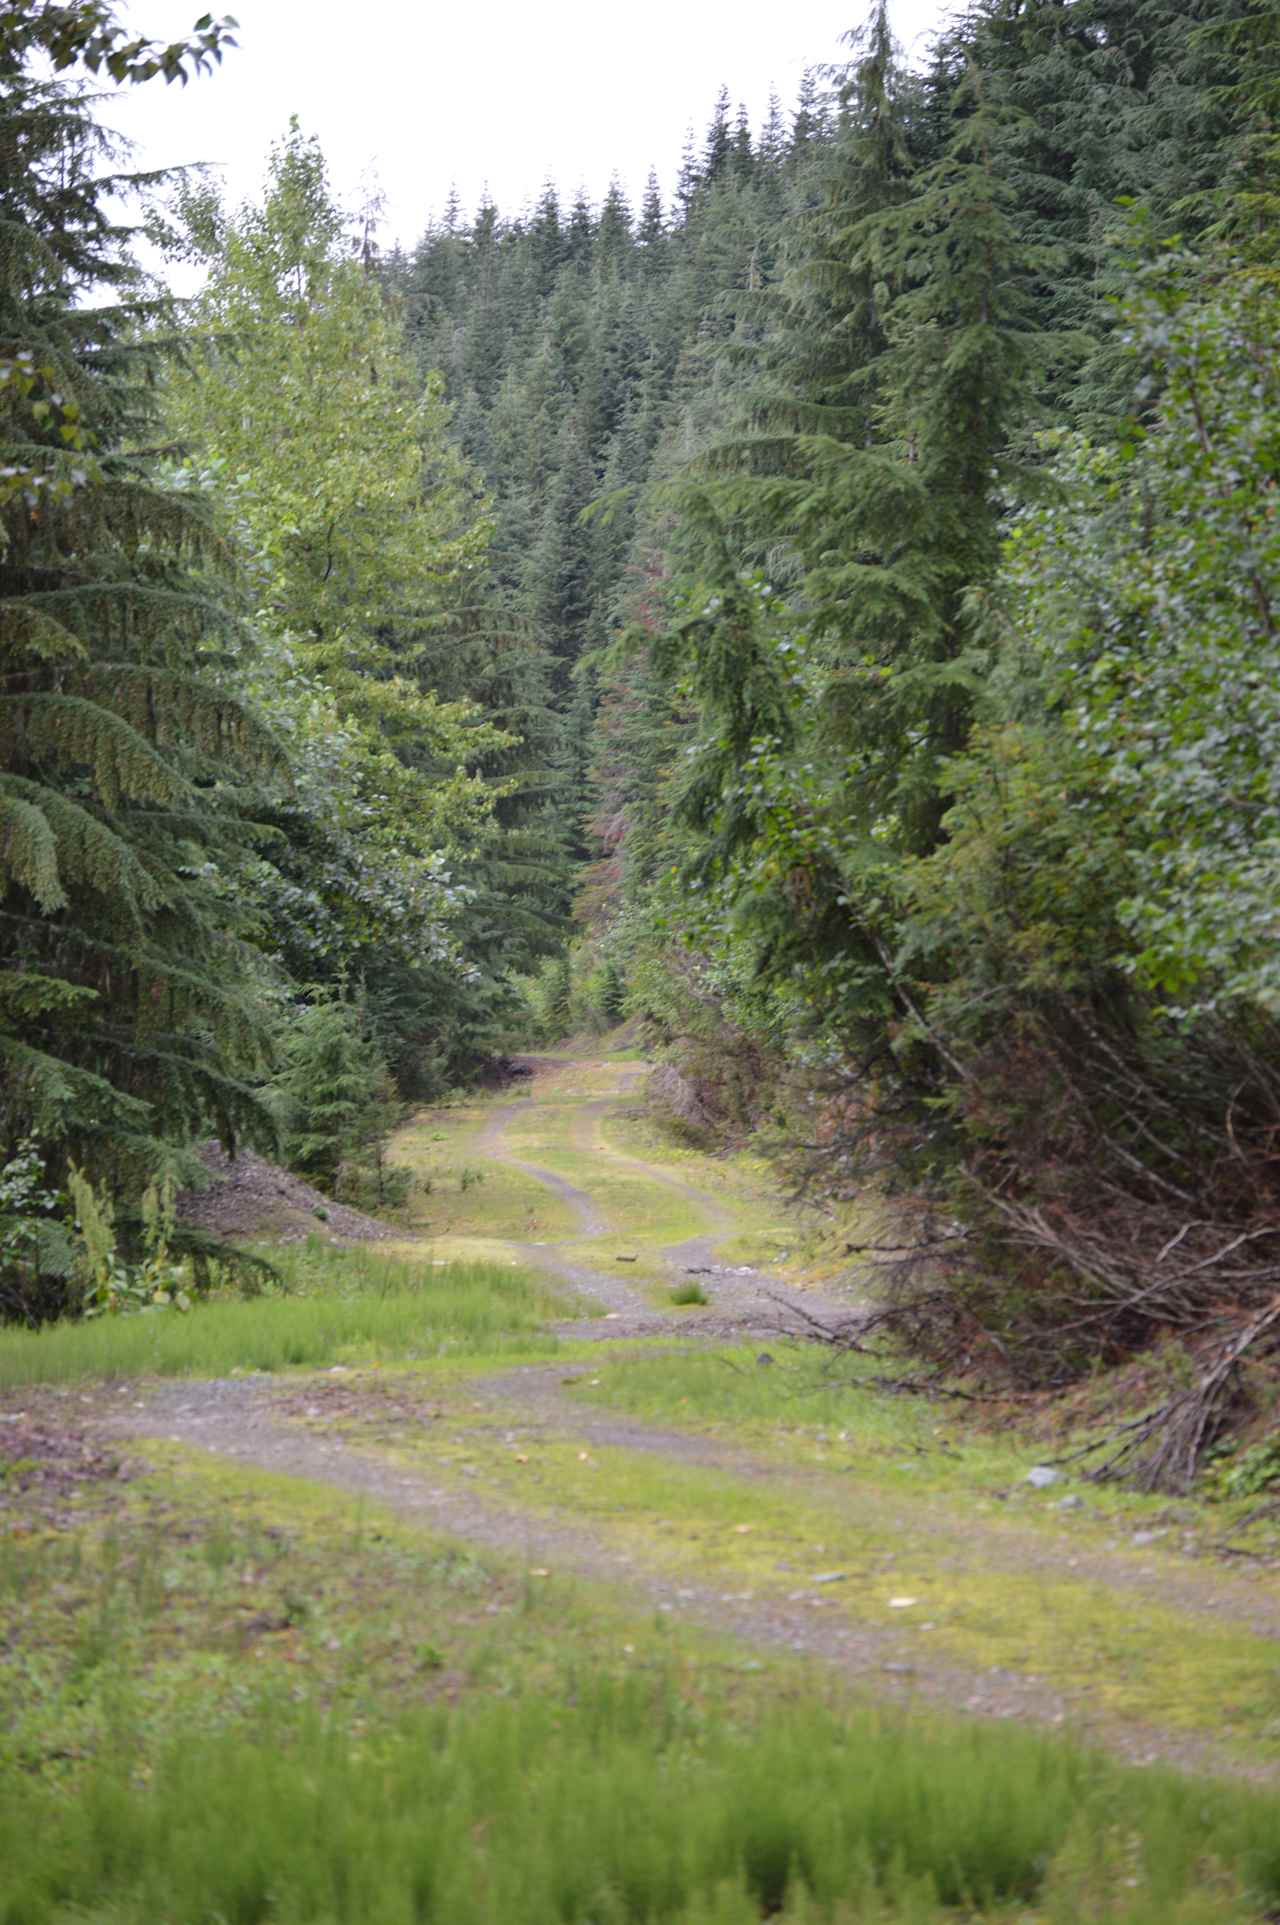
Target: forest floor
x,y
642,1471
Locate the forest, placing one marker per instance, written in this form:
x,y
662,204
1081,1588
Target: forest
x,y
640,1000
828,618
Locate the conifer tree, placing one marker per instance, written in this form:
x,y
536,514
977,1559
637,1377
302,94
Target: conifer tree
x,y
651,230
132,1009
717,150
334,1098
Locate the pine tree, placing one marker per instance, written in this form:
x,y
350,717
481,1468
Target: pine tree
x,y
546,242
613,232
580,231
772,144
131,1007
963,355
717,148
335,1100
651,231
743,154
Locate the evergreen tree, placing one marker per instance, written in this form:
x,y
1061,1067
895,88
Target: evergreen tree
x,y
717,148
335,1102
132,1009
651,230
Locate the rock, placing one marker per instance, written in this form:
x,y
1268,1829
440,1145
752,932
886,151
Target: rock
x,y
829,1577
1042,1476
630,1257
1145,1537
764,1360
1070,1503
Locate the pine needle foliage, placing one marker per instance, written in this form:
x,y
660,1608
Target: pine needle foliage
x,y
133,1012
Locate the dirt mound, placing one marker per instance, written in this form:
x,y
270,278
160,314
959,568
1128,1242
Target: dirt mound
x,y
250,1197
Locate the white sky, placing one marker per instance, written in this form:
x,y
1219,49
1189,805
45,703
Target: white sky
x,y
502,94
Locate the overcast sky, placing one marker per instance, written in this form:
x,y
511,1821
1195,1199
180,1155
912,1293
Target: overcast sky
x,y
480,93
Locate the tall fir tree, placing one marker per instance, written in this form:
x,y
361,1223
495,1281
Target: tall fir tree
x,y
133,1011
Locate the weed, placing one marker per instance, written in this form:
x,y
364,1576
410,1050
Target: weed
x,y
689,1292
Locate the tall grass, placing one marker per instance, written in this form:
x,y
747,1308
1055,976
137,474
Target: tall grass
x,y
626,1801
340,1306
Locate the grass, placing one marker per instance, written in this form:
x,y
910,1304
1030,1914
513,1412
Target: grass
x,y
641,1808
649,1192
811,1407
234,1697
343,1306
688,1293
807,1405
442,1147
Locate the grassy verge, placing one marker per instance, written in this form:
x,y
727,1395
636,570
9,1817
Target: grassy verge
x,y
342,1306
460,1191
239,1698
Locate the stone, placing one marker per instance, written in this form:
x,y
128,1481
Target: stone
x,y
1042,1476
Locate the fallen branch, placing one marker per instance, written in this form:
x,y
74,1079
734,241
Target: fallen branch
x,y
1175,1434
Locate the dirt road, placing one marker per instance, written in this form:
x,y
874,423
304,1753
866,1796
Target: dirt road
x,y
454,1458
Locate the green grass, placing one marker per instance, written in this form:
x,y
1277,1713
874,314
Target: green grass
x,y
365,1308
233,1697
688,1293
983,1596
809,1405
624,1799
812,1407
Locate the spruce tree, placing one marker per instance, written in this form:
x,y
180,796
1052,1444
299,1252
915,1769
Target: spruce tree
x,y
131,1007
